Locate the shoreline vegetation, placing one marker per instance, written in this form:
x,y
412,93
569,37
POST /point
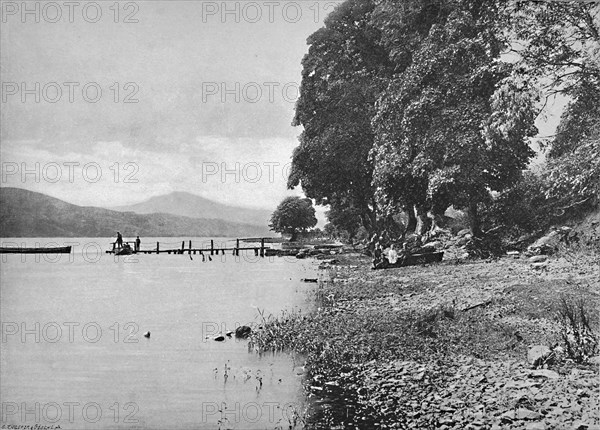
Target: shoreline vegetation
x,y
463,344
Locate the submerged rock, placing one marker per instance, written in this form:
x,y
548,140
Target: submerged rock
x,y
220,338
243,331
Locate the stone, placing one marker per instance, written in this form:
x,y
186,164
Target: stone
x,y
595,360
537,354
243,331
544,373
527,414
538,259
539,425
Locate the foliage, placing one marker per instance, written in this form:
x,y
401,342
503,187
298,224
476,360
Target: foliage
x,y
558,43
521,209
573,169
292,215
340,83
453,124
345,219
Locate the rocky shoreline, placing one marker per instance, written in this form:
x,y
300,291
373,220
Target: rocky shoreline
x,y
444,346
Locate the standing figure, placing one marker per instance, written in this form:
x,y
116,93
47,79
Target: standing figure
x,y
138,242
119,240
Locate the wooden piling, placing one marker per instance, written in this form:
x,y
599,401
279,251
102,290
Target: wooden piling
x,y
190,248
157,247
237,247
212,247
262,246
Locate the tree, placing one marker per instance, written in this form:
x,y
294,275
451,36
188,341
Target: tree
x,y
573,168
559,48
341,79
452,126
557,43
293,214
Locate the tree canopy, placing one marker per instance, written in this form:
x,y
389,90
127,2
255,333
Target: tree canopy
x,y
293,214
418,105
341,79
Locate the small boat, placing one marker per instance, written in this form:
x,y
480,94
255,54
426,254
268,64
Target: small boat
x,y
416,259
39,250
125,251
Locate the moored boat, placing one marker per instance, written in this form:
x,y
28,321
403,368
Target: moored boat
x,y
37,250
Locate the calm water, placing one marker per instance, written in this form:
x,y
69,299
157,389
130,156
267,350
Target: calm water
x,y
79,359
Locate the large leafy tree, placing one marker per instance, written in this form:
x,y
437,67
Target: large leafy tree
x,y
293,215
341,79
573,168
557,43
453,124
558,46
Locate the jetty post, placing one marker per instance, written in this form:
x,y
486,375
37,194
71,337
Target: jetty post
x,y
182,246
157,248
212,247
237,247
262,246
190,248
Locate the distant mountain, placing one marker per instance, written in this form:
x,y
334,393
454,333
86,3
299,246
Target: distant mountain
x,y
26,213
193,206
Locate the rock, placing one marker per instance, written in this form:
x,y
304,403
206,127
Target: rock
x,y
538,259
537,354
219,338
309,280
147,335
243,331
463,240
539,425
436,245
540,265
544,373
595,360
229,333
527,414
463,232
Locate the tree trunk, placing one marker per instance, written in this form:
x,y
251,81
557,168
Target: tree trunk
x,y
411,225
424,221
474,222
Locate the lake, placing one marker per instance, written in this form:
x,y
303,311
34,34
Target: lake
x,y
73,352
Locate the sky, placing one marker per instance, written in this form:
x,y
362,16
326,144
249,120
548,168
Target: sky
x,y
106,105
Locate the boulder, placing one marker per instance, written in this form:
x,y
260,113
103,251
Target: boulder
x,y
544,373
243,331
464,240
219,338
537,354
550,242
538,259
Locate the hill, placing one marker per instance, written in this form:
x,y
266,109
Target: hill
x,y
193,206
26,213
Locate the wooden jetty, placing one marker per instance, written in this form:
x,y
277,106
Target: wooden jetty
x,y
213,249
